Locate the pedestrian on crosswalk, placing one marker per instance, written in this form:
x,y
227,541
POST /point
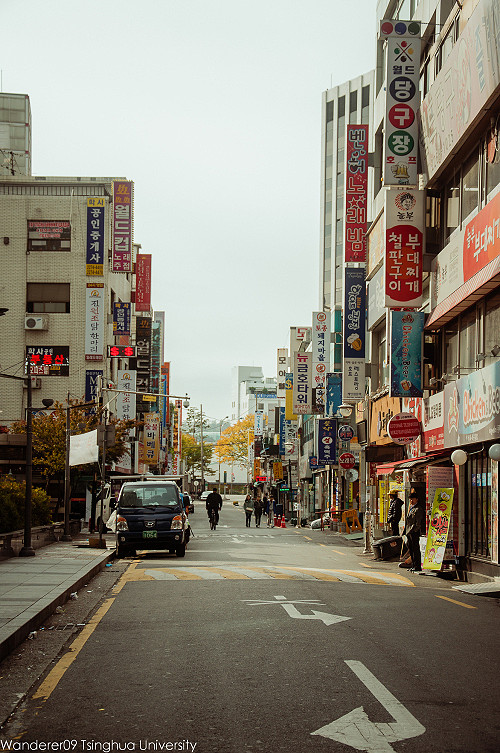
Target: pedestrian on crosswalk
x,y
248,506
258,510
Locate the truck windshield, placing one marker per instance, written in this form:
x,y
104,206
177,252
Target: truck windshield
x,y
151,495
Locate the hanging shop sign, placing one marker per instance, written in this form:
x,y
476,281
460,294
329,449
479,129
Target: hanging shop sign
x,y
290,414
302,383
258,429
48,360
327,444
94,322
126,401
143,344
333,393
151,438
91,386
404,218
281,430
433,422
95,236
414,405
356,193
121,318
472,407
347,460
122,351
320,358
404,428
291,438
299,336
122,226
402,101
281,371
345,433
407,328
143,282
353,375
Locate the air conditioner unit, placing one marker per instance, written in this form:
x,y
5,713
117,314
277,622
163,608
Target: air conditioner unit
x,y
35,322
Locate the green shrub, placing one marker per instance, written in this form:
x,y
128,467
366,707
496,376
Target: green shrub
x,y
12,500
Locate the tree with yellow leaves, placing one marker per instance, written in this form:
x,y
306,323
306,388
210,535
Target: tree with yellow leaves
x,y
232,447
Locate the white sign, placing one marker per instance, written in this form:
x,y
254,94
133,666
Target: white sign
x,y
281,372
302,392
355,728
321,328
83,448
259,423
126,401
94,322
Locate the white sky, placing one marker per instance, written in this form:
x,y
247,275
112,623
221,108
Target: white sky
x,y
213,109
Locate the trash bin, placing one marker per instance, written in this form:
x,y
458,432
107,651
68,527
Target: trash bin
x,y
388,548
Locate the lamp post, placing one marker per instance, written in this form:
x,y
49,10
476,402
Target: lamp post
x,y
220,434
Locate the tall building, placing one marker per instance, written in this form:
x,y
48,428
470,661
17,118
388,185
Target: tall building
x,y
15,134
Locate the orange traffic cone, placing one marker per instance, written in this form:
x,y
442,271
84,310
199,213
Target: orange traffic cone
x,y
275,523
278,522
283,522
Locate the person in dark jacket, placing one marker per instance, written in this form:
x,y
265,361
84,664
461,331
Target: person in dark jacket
x,y
258,506
414,520
394,514
214,500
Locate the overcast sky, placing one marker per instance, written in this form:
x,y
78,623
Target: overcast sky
x,y
213,109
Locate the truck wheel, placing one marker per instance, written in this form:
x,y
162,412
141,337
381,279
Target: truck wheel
x,y
180,550
122,551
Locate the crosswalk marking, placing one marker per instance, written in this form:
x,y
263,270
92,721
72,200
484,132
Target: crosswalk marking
x,y
257,572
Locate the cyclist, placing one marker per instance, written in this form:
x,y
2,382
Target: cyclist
x,y
214,502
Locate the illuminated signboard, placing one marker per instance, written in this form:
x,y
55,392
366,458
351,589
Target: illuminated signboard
x,y
48,360
121,351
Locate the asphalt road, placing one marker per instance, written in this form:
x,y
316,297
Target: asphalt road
x,y
272,640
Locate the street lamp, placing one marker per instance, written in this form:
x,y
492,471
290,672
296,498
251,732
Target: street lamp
x,y
344,410
220,434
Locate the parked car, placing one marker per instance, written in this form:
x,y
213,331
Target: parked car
x,y
150,515
188,503
204,496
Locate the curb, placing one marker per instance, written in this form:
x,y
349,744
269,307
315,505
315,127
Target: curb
x,y
19,633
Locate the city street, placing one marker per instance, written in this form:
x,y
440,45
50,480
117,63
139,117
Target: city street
x,y
272,640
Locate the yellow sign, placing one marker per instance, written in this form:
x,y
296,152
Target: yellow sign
x,y
289,414
256,468
439,525
96,201
149,398
278,471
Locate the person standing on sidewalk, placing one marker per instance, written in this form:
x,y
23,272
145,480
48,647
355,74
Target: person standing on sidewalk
x,y
258,511
248,506
394,514
414,520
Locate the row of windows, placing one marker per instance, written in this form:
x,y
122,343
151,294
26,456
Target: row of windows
x,y
8,190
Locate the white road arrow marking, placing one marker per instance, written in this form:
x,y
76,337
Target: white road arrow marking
x,y
355,728
328,619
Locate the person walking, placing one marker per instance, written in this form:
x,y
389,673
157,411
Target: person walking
x,y
248,506
258,511
394,514
414,519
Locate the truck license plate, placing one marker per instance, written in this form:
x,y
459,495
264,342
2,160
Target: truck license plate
x,y
149,534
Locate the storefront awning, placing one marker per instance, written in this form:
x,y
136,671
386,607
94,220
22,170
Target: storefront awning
x,y
385,469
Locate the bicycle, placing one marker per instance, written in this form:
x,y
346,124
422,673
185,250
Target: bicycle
x,y
212,516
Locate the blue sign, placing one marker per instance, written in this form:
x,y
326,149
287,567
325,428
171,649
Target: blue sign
x,y
407,329
91,383
327,444
354,313
95,239
333,393
282,430
121,318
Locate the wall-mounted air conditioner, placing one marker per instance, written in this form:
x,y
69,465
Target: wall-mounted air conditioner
x,y
35,322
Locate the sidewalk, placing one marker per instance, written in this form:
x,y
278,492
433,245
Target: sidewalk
x,y
32,587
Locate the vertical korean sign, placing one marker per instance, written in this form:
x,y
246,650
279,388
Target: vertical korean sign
x,y
91,385
151,438
143,282
402,102
353,375
327,444
126,402
281,371
302,383
122,226
404,241
356,193
95,236
320,358
143,342
121,318
94,322
407,329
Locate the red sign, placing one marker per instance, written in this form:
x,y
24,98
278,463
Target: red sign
x,y
404,428
143,282
347,460
356,192
121,351
482,240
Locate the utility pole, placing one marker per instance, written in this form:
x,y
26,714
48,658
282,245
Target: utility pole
x,y
67,479
202,474
27,550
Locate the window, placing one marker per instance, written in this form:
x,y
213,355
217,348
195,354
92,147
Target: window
x,y
452,205
468,347
353,101
493,170
451,346
329,111
492,323
49,235
48,297
470,185
478,504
